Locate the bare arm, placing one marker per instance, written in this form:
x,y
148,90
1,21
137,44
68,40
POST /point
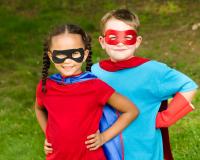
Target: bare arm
x,y
188,95
41,115
129,113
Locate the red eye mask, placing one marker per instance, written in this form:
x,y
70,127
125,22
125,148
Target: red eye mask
x,y
127,37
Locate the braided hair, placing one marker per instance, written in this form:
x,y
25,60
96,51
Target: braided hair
x,y
70,28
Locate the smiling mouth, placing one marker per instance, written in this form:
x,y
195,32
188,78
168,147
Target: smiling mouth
x,y
67,67
120,50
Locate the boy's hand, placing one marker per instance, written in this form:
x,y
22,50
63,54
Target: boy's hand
x,y
94,141
47,147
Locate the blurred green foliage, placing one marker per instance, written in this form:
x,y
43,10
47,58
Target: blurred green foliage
x,y
166,27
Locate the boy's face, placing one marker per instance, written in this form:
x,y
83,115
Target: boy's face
x,y
120,40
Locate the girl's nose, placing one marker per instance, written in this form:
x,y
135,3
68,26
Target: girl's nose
x,y
68,60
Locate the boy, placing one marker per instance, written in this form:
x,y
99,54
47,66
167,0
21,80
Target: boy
x,y
145,82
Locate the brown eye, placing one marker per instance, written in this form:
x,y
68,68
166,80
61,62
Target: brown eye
x,y
128,37
112,37
61,56
76,54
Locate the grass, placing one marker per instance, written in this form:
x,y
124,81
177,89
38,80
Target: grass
x,y
167,36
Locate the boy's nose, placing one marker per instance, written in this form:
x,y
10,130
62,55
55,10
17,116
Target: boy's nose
x,y
120,44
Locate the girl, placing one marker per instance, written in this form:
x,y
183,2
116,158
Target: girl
x,y
69,104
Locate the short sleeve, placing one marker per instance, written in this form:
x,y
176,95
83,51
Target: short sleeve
x,y
39,94
104,91
173,81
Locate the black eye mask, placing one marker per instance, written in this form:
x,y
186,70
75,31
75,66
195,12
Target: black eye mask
x,y
59,56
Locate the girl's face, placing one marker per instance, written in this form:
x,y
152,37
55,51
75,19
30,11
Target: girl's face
x,y
69,42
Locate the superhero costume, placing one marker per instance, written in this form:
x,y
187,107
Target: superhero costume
x,y
146,83
74,105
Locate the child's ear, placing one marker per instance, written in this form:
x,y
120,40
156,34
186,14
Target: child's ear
x,y
49,55
102,42
86,53
138,41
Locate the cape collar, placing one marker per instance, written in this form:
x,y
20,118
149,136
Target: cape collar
x,y
111,66
72,79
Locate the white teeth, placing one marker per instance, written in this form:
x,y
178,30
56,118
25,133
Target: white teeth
x,y
67,66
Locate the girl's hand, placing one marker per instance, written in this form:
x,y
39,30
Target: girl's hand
x,y
94,141
47,147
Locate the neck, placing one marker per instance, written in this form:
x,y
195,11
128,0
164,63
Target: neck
x,y
114,60
73,75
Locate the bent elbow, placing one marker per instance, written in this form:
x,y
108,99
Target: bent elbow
x,y
135,113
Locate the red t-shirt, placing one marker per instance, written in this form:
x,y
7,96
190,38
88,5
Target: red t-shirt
x,y
74,111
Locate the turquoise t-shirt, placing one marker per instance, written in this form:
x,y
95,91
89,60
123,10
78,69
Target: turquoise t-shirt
x,y
146,86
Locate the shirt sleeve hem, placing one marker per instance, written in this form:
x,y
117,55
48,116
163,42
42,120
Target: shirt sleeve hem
x,y
107,96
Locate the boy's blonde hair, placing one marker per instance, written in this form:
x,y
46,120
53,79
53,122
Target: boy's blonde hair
x,y
124,15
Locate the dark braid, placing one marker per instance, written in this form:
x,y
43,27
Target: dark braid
x,y
46,65
89,58
70,28
46,60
